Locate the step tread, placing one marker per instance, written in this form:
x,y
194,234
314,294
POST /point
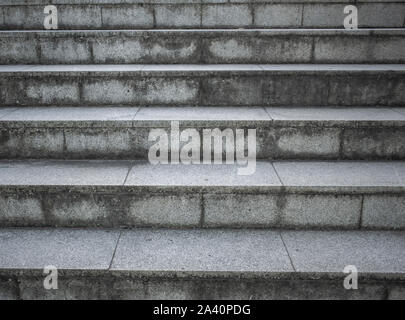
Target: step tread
x,y
205,253
307,176
200,116
187,68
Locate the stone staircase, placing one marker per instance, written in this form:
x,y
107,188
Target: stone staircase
x,y
77,190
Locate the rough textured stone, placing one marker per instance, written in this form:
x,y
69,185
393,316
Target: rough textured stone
x,y
34,143
306,143
62,50
211,85
63,173
8,289
374,144
64,249
226,16
127,17
79,17
23,51
243,289
386,15
384,212
201,251
369,251
47,93
203,46
333,115
183,16
315,211
144,174
191,115
21,210
319,15
69,288
70,114
278,15
241,210
397,293
337,174
201,264
163,210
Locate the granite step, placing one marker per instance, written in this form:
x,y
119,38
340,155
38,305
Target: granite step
x,y
204,85
201,264
124,132
302,195
215,46
169,14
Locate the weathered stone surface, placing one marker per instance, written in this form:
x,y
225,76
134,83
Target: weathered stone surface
x,y
206,263
8,289
138,194
64,249
315,211
208,14
384,212
227,16
212,85
369,251
178,16
201,251
278,15
241,210
163,211
202,46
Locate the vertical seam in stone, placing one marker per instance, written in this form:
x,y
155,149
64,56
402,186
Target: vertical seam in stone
x,y
64,146
361,212
153,16
201,93
302,14
328,93
115,250
80,84
91,49
38,48
201,14
45,208
200,49
101,16
18,287
2,18
313,50
386,293
288,253
126,177
341,142
281,199
252,12
202,207
274,168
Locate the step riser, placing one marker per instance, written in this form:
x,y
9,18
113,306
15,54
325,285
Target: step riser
x,y
254,15
118,207
129,288
284,88
302,142
201,47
